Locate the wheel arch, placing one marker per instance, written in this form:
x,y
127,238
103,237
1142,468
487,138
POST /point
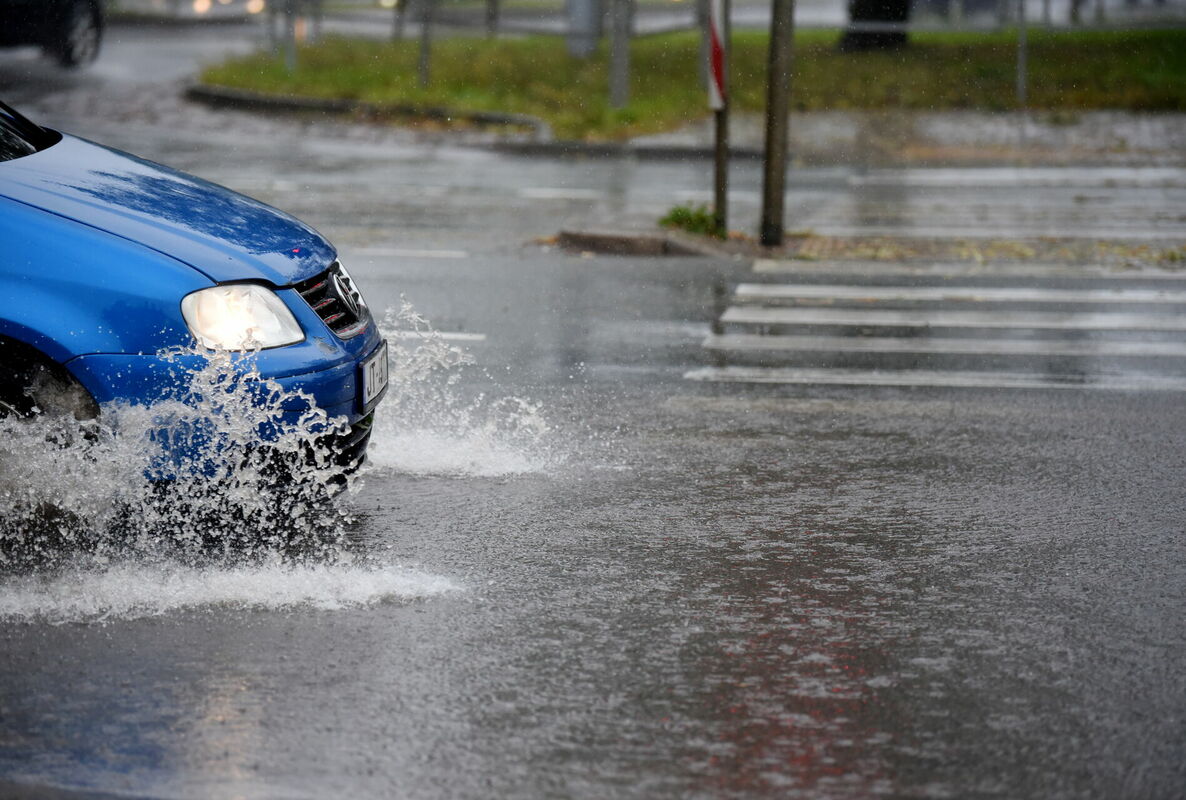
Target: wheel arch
x,y
31,381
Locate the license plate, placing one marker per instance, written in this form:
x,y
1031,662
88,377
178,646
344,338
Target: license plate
x,y
374,375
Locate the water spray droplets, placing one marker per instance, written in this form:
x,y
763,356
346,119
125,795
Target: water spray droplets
x,y
430,428
222,492
225,464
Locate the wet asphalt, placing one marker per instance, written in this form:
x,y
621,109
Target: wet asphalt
x,y
658,587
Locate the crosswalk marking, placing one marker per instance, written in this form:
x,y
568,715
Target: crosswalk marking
x,y
1085,177
447,336
936,379
560,193
762,292
1033,320
956,271
840,326
884,344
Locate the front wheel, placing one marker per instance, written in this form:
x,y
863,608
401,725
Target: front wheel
x,y
31,385
80,35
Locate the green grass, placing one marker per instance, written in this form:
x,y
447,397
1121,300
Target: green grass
x,y
1069,72
693,219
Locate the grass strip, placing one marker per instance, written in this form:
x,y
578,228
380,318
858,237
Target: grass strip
x,y
1068,72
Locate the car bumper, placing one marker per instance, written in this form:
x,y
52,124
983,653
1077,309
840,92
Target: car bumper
x,y
305,385
333,385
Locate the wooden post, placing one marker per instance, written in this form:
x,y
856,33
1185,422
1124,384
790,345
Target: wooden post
x,y
778,90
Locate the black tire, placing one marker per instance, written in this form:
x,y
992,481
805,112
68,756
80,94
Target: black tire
x,y
80,36
31,384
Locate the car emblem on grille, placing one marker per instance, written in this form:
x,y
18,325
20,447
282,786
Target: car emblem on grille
x,y
345,295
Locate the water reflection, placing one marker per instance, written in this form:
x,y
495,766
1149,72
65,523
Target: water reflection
x,y
793,690
198,206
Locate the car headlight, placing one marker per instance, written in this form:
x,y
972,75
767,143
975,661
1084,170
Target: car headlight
x,y
240,316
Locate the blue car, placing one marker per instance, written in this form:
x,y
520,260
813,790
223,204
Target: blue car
x,y
111,265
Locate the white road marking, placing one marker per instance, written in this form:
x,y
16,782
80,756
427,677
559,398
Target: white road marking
x,y
1060,177
872,344
956,271
1140,231
758,292
1032,320
448,336
925,378
560,193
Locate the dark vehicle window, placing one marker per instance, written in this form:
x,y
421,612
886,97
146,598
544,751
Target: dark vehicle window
x,y
12,144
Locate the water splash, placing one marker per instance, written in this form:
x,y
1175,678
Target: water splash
x,y
215,496
223,463
430,428
100,522
134,590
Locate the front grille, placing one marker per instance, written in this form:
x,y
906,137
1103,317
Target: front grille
x,y
336,299
343,452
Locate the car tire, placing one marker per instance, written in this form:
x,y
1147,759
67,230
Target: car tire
x,y
80,36
31,384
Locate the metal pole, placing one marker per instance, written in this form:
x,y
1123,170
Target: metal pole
x,y
290,35
492,18
778,90
584,26
1022,66
426,9
398,21
318,19
619,55
701,25
1022,55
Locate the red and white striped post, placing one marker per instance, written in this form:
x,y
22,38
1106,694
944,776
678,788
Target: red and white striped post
x,y
718,101
717,90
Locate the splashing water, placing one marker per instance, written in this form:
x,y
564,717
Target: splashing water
x,y
427,428
133,590
218,495
215,496
222,460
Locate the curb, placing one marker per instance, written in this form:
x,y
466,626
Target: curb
x,y
242,99
542,143
634,243
618,149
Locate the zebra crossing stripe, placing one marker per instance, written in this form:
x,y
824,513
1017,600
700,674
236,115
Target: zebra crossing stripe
x,y
1031,320
934,379
759,292
956,270
751,342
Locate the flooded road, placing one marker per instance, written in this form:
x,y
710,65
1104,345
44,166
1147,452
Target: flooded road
x,y
574,573
571,571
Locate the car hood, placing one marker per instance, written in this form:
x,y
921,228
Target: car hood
x,y
224,235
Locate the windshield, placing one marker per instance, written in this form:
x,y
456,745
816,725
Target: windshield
x,y
12,144
20,137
